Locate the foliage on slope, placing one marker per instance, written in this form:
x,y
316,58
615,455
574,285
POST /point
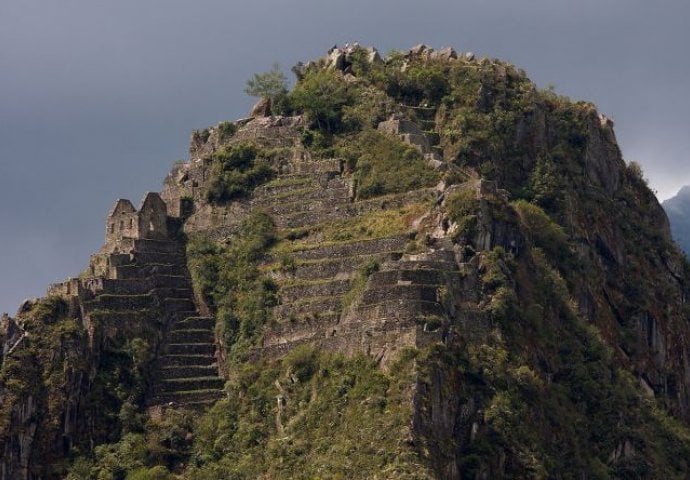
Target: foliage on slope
x,y
72,396
310,415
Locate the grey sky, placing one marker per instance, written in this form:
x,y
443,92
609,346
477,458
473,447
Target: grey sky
x,y
98,98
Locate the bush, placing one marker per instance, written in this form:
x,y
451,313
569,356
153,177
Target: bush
x,y
383,164
541,230
229,279
236,171
462,207
321,95
226,130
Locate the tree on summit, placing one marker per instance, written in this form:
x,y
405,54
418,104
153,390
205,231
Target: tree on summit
x,y
271,85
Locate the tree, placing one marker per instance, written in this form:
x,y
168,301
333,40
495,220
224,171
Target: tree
x,y
269,84
321,95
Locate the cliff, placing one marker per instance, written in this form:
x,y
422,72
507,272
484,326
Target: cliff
x,y
417,267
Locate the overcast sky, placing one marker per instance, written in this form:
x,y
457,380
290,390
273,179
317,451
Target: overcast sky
x,y
98,98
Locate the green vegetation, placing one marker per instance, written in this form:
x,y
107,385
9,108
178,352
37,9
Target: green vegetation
x,y
231,283
463,206
226,130
542,231
364,271
334,417
236,171
50,365
321,95
562,406
271,85
384,164
376,224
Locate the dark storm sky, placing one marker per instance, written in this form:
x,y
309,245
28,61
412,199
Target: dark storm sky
x,y
98,98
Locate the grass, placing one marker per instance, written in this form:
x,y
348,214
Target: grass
x,y
369,226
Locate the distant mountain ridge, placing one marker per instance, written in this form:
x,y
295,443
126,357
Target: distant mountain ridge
x,y
678,211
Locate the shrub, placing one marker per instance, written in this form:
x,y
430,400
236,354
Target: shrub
x,y
321,95
462,207
541,230
229,279
226,130
384,164
236,171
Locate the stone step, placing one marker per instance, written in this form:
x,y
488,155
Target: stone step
x,y
331,165
150,245
144,271
195,360
195,322
183,314
408,308
189,384
324,305
159,246
312,218
192,336
375,294
149,316
178,304
285,185
336,194
188,371
395,200
122,302
145,285
318,289
417,277
338,268
192,397
299,330
143,258
351,249
302,206
174,292
191,348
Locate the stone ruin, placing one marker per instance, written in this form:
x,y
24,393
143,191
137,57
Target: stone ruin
x,y
125,222
124,226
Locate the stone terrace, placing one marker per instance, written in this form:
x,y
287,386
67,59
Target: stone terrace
x,y
320,279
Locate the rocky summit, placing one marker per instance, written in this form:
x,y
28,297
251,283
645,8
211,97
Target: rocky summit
x,y
409,266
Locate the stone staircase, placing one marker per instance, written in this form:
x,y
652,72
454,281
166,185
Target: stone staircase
x,y
154,278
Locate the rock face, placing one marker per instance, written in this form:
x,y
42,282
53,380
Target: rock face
x,y
678,211
530,276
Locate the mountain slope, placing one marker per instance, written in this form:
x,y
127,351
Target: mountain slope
x,y
417,267
678,211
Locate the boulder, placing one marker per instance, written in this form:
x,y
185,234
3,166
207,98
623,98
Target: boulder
x,y
336,59
447,54
421,50
373,56
262,108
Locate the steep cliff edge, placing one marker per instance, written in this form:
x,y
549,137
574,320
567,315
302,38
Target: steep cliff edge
x,y
417,267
